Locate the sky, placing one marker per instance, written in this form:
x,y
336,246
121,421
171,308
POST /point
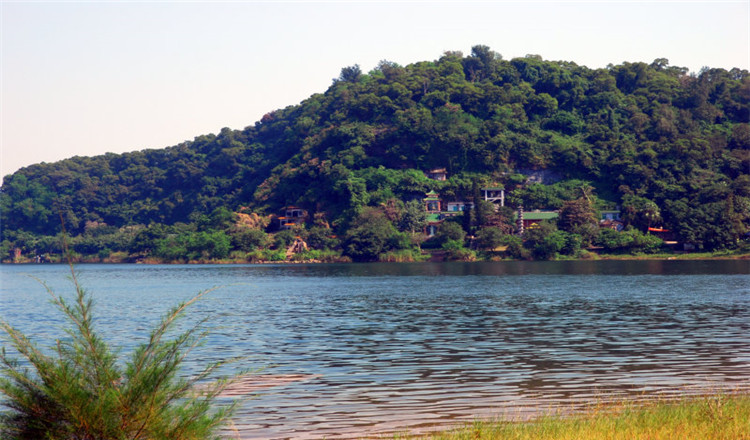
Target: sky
x,y
86,78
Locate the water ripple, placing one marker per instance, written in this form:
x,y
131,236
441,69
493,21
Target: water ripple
x,y
383,348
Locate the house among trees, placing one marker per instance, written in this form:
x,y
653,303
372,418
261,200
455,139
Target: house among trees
x,y
432,202
610,215
611,220
432,205
616,225
494,194
458,206
292,217
438,210
437,174
530,220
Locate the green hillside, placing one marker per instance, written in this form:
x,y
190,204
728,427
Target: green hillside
x,y
671,148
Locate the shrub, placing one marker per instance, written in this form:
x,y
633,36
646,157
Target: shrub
x,y
461,254
80,391
371,235
549,245
646,243
631,240
321,238
284,239
247,239
254,256
489,238
613,240
273,255
572,244
455,250
214,244
515,247
450,231
324,256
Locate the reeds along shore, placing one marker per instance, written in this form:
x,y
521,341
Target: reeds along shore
x,y
723,416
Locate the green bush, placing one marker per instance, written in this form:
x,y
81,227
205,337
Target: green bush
x,y
81,391
612,240
273,255
455,250
516,248
324,255
371,235
284,239
215,244
321,238
402,256
247,239
450,231
461,254
646,243
629,240
489,238
572,245
549,246
452,245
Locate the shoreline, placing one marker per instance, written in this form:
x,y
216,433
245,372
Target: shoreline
x,y
697,256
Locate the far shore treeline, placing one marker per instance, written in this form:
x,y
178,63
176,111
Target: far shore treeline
x,y
666,150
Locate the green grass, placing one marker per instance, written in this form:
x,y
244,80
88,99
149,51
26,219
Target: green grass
x,y
716,417
742,253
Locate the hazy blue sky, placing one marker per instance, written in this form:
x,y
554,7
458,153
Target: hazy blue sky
x,y
85,78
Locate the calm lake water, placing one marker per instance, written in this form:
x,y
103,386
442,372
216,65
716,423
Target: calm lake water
x,y
359,350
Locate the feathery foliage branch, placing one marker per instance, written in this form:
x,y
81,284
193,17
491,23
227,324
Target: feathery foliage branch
x,y
80,393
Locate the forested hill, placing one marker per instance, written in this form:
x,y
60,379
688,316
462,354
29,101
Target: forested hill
x,y
650,132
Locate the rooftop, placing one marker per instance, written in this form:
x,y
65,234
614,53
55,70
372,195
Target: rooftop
x,y
541,215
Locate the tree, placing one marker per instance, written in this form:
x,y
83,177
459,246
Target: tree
x,y
214,244
284,239
467,220
500,219
221,218
481,64
544,240
321,238
638,129
450,231
369,235
487,214
350,74
550,245
478,212
248,239
640,212
413,217
490,238
578,217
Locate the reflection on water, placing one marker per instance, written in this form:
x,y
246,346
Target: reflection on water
x,y
385,347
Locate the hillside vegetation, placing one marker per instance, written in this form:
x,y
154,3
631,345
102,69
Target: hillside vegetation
x,y
671,148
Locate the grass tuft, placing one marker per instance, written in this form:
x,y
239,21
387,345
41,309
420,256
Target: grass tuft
x,y
715,417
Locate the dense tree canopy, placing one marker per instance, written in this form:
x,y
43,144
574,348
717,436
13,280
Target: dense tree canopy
x,y
671,147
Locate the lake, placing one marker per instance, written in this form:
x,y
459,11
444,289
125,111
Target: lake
x,y
364,349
